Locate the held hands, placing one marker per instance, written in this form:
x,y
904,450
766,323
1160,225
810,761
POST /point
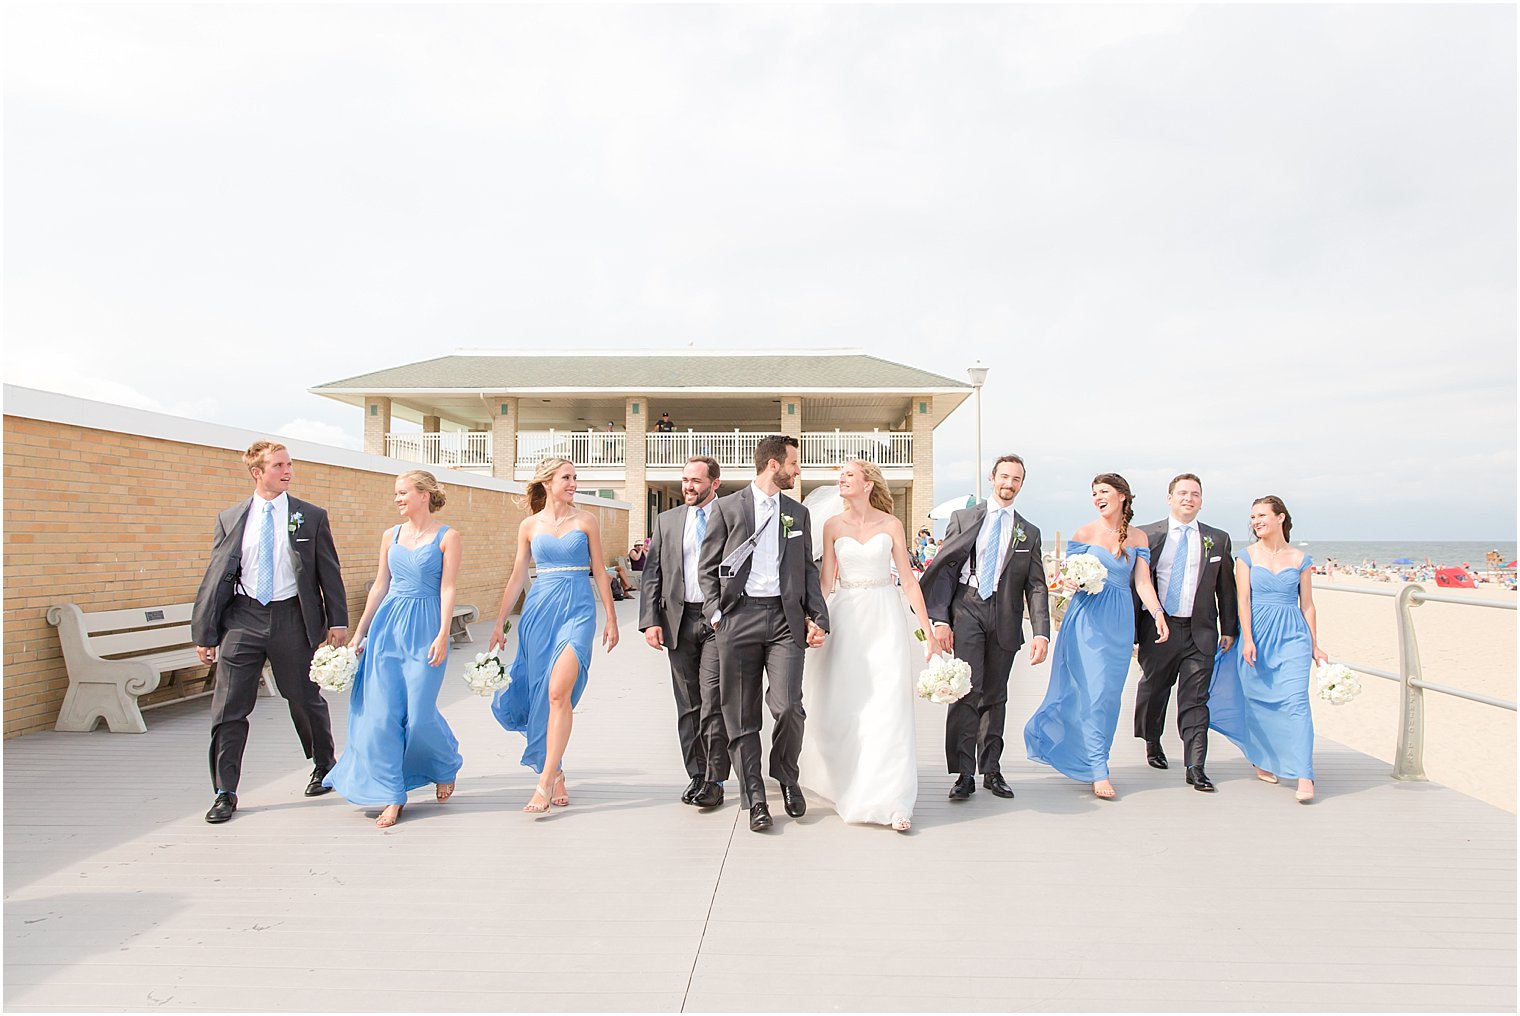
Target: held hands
x,y
438,651
815,635
336,635
945,637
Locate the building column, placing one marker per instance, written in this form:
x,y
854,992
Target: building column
x,y
635,468
431,453
377,423
504,438
921,416
791,416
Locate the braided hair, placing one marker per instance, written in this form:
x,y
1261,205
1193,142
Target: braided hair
x,y
1121,485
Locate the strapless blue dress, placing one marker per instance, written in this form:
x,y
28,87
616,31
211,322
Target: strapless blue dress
x,y
397,738
1073,729
559,612
1265,709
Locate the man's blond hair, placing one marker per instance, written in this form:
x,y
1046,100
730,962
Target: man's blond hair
x,y
258,453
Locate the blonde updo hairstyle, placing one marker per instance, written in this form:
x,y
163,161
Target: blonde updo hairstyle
x,y
426,482
538,487
880,496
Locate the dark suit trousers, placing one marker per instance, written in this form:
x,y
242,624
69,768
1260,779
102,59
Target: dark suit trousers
x,y
1177,661
754,640
978,719
256,633
699,708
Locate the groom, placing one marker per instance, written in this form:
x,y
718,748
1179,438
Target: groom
x,y
274,592
1195,580
761,597
987,569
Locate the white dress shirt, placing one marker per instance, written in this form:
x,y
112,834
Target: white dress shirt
x,y
284,565
1010,523
691,552
1188,573
765,563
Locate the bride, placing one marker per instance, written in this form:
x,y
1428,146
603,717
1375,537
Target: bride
x,y
857,688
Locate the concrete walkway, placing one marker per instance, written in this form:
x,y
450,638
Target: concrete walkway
x,y
1379,896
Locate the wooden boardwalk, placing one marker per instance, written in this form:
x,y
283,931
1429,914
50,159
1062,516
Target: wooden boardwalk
x,y
1380,896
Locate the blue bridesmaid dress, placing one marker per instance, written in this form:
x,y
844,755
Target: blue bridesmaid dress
x,y
559,612
1073,729
397,738
1265,709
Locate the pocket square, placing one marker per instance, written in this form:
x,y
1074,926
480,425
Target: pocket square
x,y
1023,551
303,539
1213,559
793,536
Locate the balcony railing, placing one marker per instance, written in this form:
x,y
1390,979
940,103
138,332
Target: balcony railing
x,y
737,448
454,449
885,448
584,448
729,447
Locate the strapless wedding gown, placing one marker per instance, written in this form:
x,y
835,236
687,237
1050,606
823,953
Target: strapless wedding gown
x,y
857,692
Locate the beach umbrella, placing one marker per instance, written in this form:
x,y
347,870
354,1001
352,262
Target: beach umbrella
x,y
1454,577
1401,560
1510,565
944,510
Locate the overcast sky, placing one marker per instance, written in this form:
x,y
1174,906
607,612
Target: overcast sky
x,y
1272,245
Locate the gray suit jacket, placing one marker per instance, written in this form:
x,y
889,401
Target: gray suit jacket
x,y
731,523
662,587
1022,581
319,578
1216,611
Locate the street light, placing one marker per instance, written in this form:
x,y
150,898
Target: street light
x,y
978,375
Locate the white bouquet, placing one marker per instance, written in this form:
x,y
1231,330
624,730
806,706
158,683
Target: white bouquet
x,y
486,674
333,668
946,679
1086,571
1336,683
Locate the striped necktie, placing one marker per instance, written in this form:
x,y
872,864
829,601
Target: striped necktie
x,y
1177,576
265,590
986,582
701,525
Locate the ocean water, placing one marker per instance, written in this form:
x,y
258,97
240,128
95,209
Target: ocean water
x,y
1441,552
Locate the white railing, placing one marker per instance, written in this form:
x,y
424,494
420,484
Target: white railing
x,y
584,448
885,448
729,447
454,449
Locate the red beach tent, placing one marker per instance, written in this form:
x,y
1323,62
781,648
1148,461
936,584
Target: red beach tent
x,y
1457,577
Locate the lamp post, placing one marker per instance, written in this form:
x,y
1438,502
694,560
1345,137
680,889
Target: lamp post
x,y
978,375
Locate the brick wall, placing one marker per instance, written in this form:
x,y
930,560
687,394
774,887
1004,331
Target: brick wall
x,y
104,518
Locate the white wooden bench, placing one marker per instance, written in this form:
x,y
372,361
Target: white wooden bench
x,y
465,614
114,657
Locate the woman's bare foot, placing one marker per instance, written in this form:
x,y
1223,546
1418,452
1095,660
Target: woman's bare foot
x,y
561,798
1264,776
902,825
539,794
1305,792
445,791
1104,789
390,816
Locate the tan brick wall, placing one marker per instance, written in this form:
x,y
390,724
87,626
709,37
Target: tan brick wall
x,y
106,519
923,462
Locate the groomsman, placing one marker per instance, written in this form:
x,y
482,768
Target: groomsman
x,y
760,587
273,592
987,568
1195,579
670,616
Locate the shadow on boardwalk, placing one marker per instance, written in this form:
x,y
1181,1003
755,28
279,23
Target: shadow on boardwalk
x,y
1380,896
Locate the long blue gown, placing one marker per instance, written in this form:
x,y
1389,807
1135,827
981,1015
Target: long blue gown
x,y
559,612
1073,729
397,738
1265,709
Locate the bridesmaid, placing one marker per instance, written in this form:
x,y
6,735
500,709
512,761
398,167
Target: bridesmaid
x,y
557,624
1259,697
397,738
1073,729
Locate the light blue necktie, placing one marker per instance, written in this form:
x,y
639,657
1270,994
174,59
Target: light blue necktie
x,y
265,591
701,525
991,558
1179,573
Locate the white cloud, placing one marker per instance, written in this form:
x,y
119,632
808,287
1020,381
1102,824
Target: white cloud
x,y
319,432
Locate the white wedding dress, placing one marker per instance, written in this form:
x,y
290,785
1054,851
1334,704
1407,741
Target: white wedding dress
x,y
857,692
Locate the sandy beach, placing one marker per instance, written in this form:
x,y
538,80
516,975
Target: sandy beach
x,y
1468,747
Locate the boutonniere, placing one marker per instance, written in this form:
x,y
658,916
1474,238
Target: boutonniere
x,y
1208,544
786,526
295,522
1018,533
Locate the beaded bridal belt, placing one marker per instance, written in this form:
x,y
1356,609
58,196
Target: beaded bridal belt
x,y
584,569
864,583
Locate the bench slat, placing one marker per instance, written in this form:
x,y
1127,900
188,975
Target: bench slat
x,y
137,641
137,617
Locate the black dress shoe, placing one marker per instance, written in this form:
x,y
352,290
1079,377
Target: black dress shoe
x,y
995,783
222,808
690,793
315,788
965,786
759,819
1198,780
1154,755
710,796
796,804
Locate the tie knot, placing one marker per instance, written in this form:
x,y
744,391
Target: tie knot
x,y
268,507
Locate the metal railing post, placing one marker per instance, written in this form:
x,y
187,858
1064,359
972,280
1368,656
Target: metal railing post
x,y
1409,757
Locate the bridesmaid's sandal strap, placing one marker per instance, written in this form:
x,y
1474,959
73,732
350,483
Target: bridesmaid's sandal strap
x,y
543,792
382,823
444,791
562,799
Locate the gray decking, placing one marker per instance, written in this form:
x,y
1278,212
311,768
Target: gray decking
x,y
1380,896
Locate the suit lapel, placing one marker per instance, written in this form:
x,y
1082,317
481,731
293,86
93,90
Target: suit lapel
x,y
677,536
293,508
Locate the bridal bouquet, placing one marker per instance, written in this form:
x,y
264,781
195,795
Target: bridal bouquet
x,y
1085,571
946,679
1336,683
333,668
486,674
